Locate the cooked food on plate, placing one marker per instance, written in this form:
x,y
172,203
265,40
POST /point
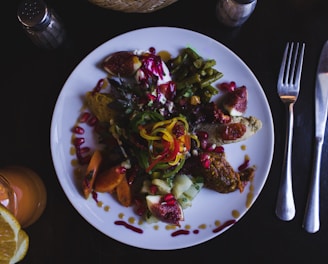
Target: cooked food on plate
x,y
162,134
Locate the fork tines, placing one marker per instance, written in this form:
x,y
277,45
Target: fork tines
x,y
288,75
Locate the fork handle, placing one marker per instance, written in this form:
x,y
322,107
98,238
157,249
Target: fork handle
x,y
285,207
311,222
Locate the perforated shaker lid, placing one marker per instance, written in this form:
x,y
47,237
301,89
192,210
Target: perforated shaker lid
x,y
33,14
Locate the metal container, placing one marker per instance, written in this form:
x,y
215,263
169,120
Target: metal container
x,y
41,24
234,13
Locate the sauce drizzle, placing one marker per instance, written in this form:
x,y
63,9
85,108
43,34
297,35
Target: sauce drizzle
x,y
180,232
224,225
128,226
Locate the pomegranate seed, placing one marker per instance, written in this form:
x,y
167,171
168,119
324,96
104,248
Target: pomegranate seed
x,y
170,202
98,86
244,165
202,135
79,141
152,50
151,97
169,199
203,143
95,196
168,196
153,189
204,156
232,86
219,149
228,86
92,121
84,117
178,130
84,150
206,163
211,147
78,130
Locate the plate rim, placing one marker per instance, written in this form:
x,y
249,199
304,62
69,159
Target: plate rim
x,y
95,51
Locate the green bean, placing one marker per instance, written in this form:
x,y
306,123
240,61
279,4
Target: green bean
x,y
181,74
191,53
193,79
207,81
211,89
177,61
203,73
209,64
209,71
198,63
194,75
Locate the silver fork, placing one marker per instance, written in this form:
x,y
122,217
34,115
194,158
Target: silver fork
x,y
288,90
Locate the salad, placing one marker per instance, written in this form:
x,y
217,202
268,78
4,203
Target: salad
x,y
162,135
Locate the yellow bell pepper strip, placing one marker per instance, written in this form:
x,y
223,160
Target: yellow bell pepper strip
x,y
143,133
168,141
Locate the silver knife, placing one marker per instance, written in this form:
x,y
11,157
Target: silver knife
x,y
311,222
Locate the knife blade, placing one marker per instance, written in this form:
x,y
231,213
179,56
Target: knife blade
x,y
311,222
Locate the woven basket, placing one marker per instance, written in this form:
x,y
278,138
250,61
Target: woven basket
x,y
133,6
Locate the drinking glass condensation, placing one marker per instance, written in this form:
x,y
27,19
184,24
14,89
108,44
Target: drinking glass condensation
x,y
23,192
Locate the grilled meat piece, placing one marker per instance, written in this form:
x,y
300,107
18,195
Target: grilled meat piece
x,y
220,176
238,129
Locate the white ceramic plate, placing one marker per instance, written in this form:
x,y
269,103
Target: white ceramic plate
x,y
211,213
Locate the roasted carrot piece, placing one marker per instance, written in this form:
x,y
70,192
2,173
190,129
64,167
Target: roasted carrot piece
x,y
123,191
109,179
91,172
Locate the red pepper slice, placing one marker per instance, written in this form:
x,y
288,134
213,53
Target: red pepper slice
x,y
165,156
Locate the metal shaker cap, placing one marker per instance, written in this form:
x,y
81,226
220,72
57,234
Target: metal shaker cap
x,y
33,14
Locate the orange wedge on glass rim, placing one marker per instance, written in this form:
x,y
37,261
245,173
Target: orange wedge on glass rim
x,y
14,241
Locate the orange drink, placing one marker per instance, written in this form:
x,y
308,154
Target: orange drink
x,y
23,192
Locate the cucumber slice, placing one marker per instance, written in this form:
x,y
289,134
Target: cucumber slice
x,y
184,201
193,190
163,186
181,183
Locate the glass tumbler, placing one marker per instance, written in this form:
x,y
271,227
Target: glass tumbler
x,y
23,192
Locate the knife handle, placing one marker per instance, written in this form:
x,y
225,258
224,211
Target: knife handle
x,y
311,222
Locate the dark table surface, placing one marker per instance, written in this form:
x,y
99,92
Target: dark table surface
x,y
32,78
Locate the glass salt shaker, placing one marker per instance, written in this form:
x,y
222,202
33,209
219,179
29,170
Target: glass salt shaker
x,y
41,24
234,13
